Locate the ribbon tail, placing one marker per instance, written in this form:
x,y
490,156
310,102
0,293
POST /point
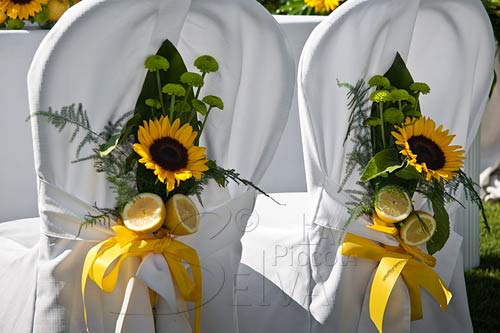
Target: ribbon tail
x,y
415,298
384,280
190,288
86,272
430,281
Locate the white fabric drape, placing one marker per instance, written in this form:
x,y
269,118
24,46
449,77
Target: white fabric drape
x,y
94,56
449,45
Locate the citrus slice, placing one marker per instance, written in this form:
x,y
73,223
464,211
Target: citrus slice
x,y
182,215
392,204
418,228
145,213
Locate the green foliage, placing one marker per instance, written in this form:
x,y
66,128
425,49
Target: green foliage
x,y
493,10
291,7
78,118
361,152
436,196
166,81
382,164
103,218
483,282
112,164
390,107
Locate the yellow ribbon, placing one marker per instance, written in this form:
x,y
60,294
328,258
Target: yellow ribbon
x,y
110,254
392,264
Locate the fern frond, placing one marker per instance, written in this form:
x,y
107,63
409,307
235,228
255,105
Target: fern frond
x,y
104,218
73,116
359,109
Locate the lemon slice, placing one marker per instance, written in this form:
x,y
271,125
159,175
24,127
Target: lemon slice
x,y
392,204
418,228
145,213
182,215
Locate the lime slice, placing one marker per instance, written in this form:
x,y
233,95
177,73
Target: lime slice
x,y
182,215
418,228
392,204
145,213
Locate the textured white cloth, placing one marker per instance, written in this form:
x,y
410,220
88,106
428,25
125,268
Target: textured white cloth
x,y
94,55
449,45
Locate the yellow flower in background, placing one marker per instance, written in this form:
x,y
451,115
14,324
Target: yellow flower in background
x,y
21,9
428,148
168,149
320,5
3,17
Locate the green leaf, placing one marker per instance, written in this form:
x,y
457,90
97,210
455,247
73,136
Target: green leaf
x,y
409,173
398,74
383,163
442,232
150,88
106,148
146,180
131,161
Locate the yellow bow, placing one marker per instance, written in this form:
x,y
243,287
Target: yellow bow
x,y
392,264
113,251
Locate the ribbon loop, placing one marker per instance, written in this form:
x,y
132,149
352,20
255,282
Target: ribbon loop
x,y
103,261
392,265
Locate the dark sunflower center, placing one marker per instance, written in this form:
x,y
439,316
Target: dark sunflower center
x,y
169,153
427,151
21,2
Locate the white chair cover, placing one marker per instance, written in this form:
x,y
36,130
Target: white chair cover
x,y
95,55
449,45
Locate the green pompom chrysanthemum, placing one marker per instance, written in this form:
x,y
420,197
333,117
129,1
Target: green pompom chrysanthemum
x,y
214,101
174,89
206,64
155,63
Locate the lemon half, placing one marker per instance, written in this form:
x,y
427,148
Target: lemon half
x,y
182,215
145,213
418,228
392,204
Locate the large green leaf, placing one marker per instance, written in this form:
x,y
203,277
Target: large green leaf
x,y
442,232
146,180
400,77
150,86
383,163
409,173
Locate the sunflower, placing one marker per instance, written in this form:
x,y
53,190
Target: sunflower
x,y
320,5
428,148
169,151
21,9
